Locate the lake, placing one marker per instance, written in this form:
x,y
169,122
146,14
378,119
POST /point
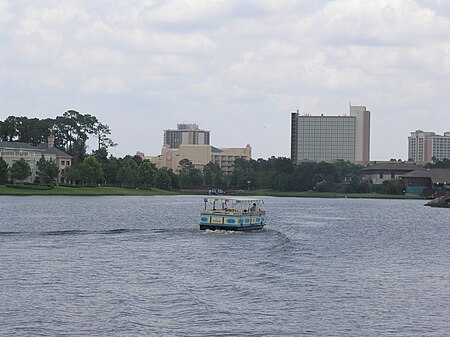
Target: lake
x,y
139,266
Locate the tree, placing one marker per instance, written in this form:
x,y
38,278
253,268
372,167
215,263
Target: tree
x,y
127,171
162,179
146,174
20,170
282,182
394,186
174,179
91,170
185,167
72,173
47,171
243,172
196,177
3,171
126,175
102,131
110,169
324,186
72,130
212,175
444,163
8,131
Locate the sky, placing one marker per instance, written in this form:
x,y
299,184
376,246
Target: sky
x,y
235,67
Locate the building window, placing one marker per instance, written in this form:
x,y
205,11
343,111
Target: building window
x,y
381,175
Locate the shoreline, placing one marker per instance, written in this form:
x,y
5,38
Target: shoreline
x,y
119,191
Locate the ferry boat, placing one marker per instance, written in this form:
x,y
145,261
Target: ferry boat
x,y
236,214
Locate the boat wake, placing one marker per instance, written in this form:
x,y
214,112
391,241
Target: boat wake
x,y
73,232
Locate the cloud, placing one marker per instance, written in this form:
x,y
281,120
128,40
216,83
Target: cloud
x,y
5,15
249,60
185,11
108,84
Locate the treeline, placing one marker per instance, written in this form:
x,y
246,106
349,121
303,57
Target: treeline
x,y
279,174
443,164
20,170
71,132
130,171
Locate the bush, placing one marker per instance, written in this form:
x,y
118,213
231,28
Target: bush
x,y
69,185
343,188
394,186
380,189
324,186
30,186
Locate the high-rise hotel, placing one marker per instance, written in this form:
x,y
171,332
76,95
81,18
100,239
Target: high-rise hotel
x,y
329,138
424,146
186,134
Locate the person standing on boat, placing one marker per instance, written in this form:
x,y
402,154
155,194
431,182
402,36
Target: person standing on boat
x,y
253,208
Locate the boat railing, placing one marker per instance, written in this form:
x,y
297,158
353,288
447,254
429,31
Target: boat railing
x,y
233,211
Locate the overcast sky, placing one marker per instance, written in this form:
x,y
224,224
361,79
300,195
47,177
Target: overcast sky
x,y
237,68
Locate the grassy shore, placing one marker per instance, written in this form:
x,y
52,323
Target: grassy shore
x,y
63,190
311,194
97,191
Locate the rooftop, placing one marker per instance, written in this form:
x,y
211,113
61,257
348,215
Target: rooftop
x,y
392,166
438,176
43,147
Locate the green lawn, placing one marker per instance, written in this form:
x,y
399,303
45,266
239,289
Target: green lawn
x,y
154,191
311,194
84,191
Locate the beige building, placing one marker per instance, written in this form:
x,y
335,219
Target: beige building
x,y
14,151
186,134
381,172
329,138
200,155
423,146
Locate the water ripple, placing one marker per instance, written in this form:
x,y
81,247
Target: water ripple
x,y
139,266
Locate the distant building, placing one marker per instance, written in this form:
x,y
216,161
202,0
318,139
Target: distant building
x,y
186,134
427,183
14,151
329,138
381,172
200,155
424,146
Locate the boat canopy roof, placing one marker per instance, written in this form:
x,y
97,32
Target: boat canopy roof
x,y
233,201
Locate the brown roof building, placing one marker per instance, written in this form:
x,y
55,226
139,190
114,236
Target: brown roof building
x,y
429,182
382,172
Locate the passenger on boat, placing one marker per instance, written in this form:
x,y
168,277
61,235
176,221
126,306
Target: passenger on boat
x,y
253,208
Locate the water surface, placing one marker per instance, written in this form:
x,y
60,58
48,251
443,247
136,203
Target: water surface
x,y
139,266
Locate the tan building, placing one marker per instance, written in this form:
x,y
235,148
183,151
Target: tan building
x,y
423,146
186,134
381,172
329,138
14,151
200,155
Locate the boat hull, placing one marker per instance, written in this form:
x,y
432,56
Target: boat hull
x,y
231,228
232,221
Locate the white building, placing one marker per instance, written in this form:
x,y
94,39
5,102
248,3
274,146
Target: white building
x,y
424,146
